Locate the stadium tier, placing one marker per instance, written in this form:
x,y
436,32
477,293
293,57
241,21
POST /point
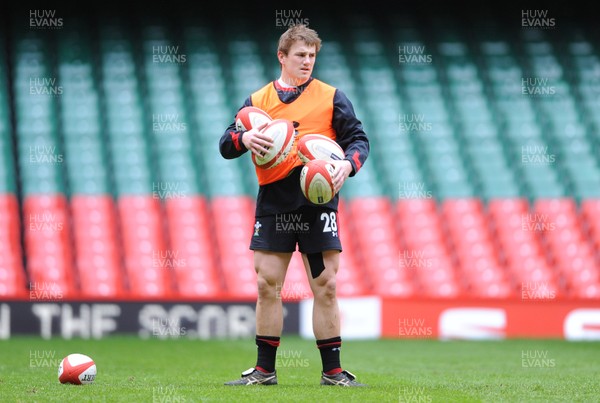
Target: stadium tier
x,y
483,177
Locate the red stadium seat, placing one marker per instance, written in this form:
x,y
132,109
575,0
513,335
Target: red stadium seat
x,y
425,254
503,207
98,252
190,230
344,222
377,245
505,218
419,221
533,271
351,280
148,262
12,275
555,206
423,237
590,214
48,247
410,207
567,246
234,224
519,241
460,207
437,278
474,248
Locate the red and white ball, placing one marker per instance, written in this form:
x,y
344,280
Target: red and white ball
x,y
283,133
250,117
77,369
318,147
316,181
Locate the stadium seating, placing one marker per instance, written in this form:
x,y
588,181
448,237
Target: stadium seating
x,y
590,215
570,253
48,244
148,262
517,234
192,248
97,246
476,254
233,228
112,186
351,278
12,276
375,239
425,251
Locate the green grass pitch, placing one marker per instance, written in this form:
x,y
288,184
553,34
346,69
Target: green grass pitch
x,y
134,370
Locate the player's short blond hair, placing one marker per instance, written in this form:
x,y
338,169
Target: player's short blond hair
x,y
296,33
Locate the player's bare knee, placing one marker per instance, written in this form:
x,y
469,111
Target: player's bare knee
x,y
325,288
267,286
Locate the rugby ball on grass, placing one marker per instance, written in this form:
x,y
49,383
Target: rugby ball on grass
x,y
318,147
77,369
316,181
283,133
250,117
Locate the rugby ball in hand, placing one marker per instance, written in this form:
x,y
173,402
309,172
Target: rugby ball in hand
x,y
318,147
77,369
316,181
283,133
250,117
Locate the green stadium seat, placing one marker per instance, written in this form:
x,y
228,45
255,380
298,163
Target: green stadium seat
x,y
500,188
453,190
8,175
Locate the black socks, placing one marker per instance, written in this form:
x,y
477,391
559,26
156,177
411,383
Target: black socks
x,y
330,355
329,349
267,352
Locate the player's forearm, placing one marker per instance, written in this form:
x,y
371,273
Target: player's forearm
x,y
231,145
357,155
356,148
350,133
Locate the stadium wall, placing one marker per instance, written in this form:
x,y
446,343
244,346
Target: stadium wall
x,y
362,318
